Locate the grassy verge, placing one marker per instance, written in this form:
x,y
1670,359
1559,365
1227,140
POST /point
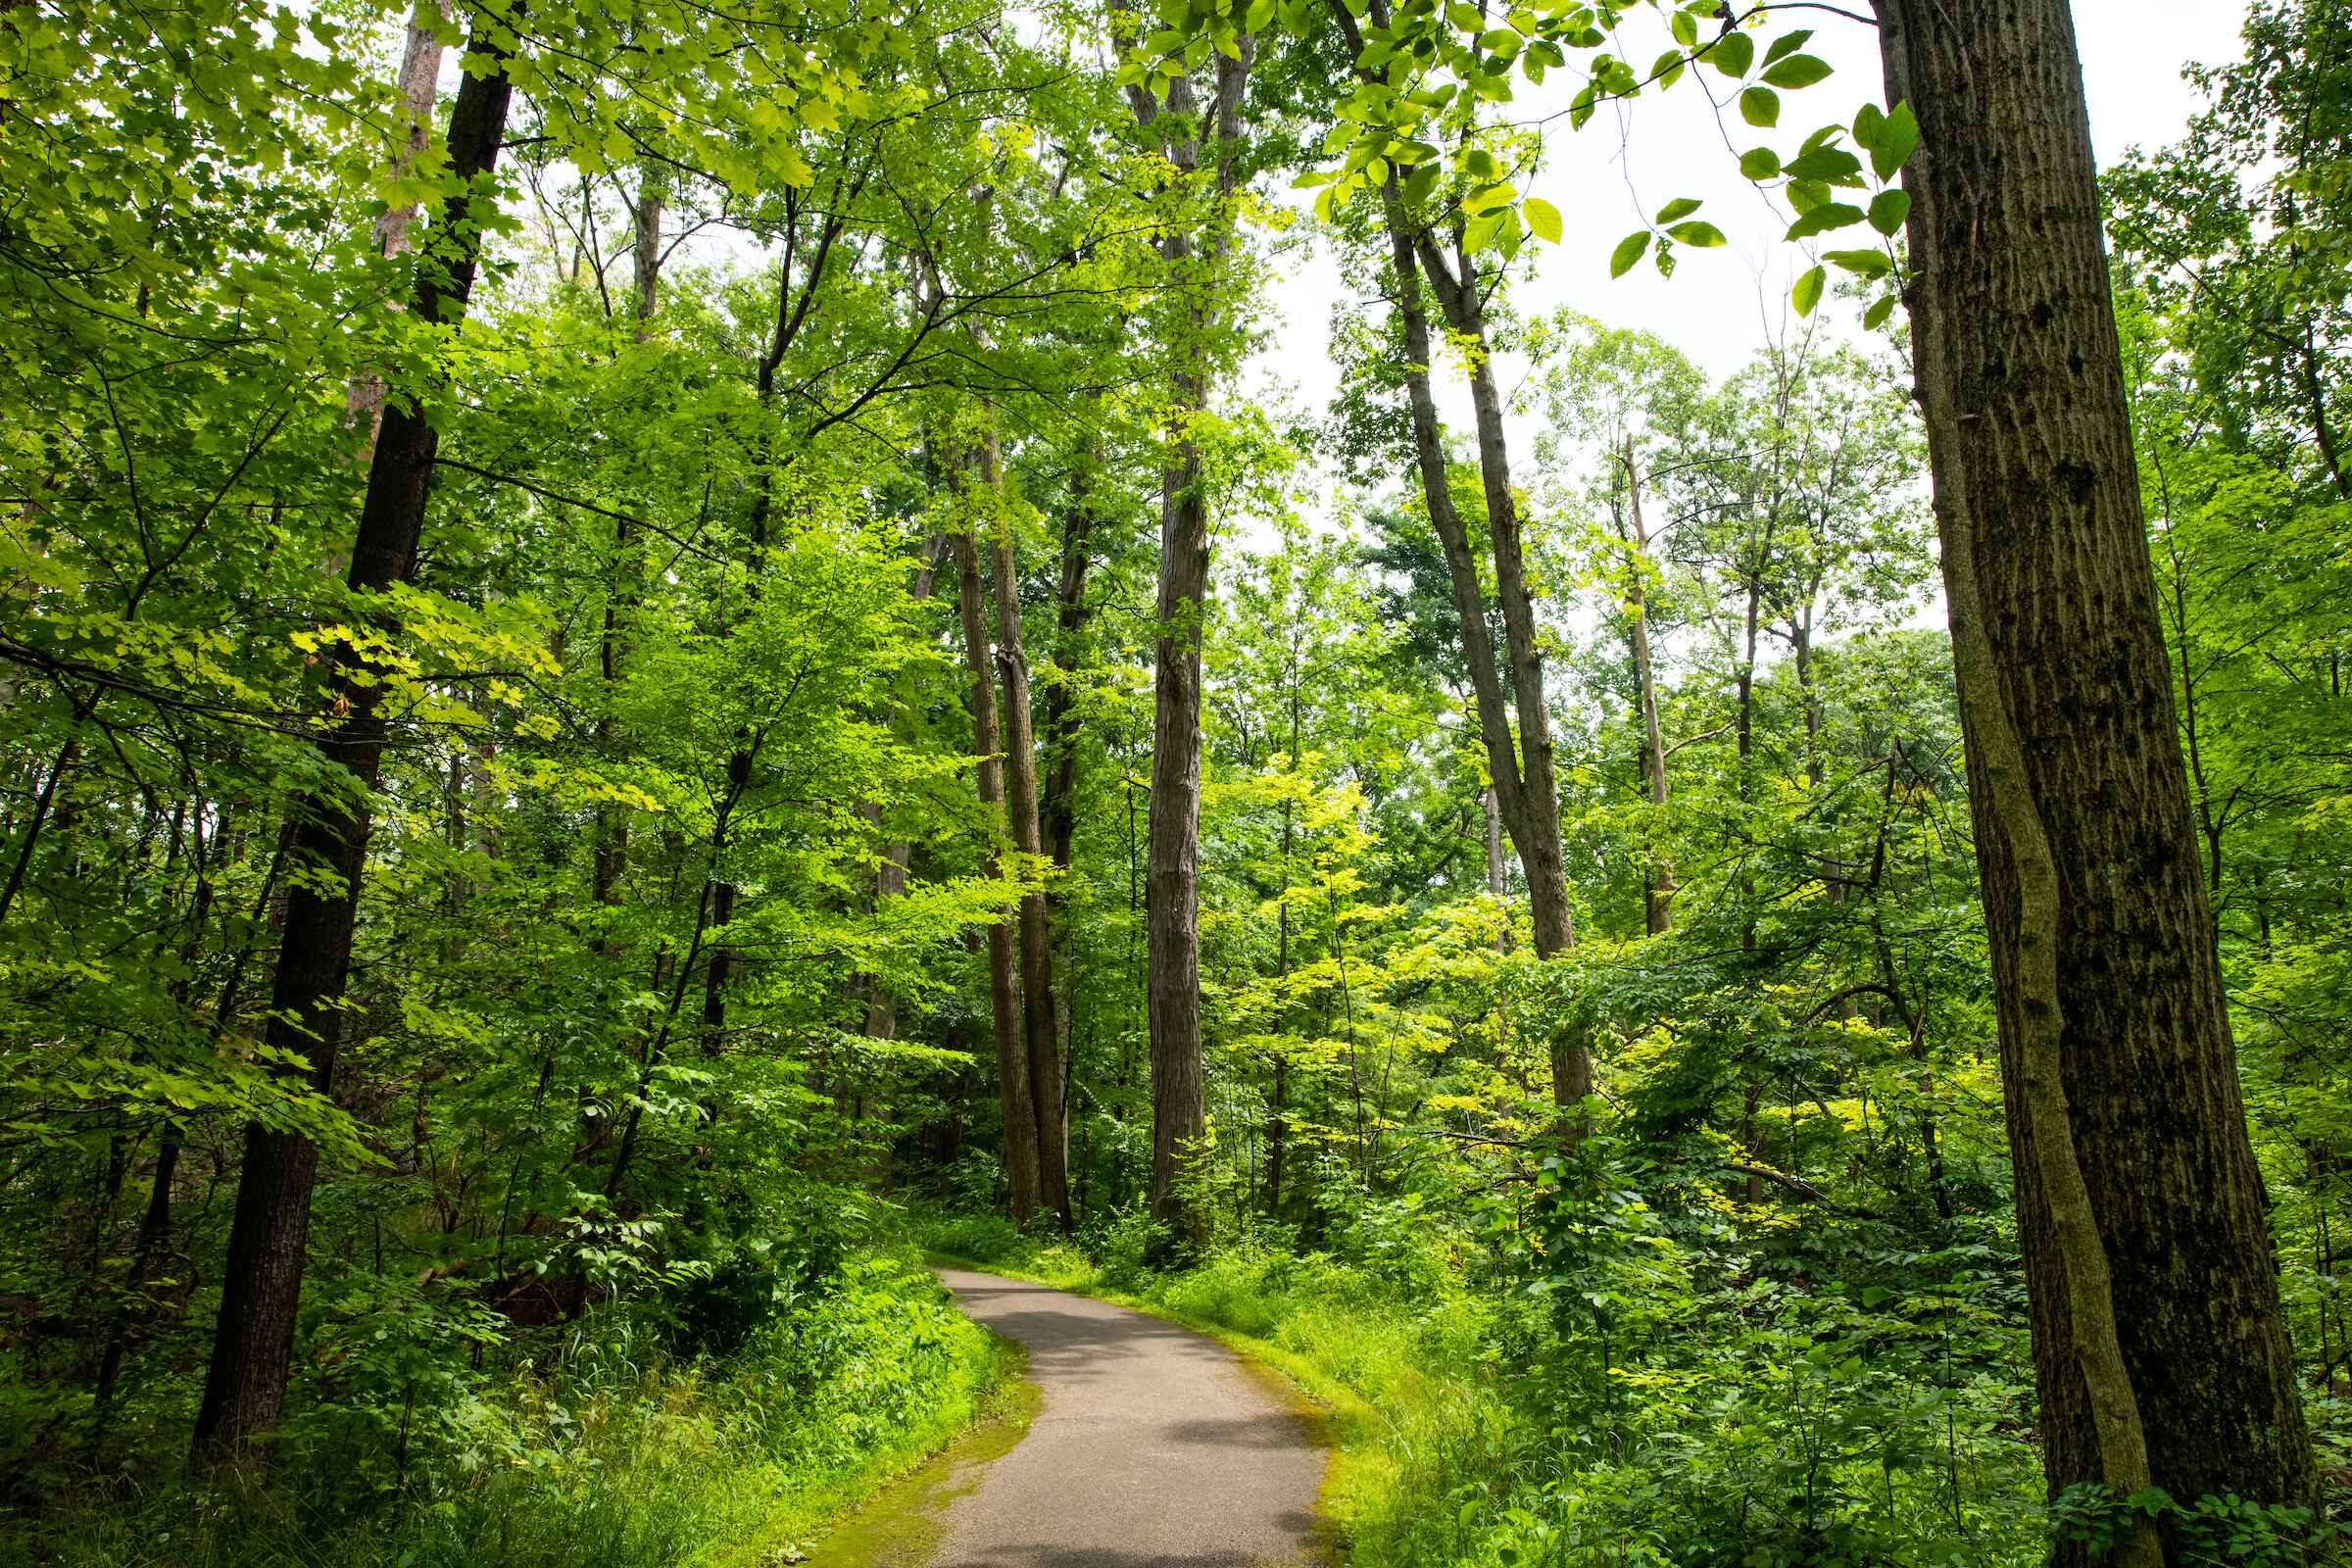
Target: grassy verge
x,y
625,1458
1423,1440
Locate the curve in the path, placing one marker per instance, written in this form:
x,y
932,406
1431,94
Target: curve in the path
x,y
1151,1447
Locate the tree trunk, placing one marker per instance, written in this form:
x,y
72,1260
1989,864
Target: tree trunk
x,y
253,1344
1179,1107
1040,1032
1058,808
420,82
1524,786
1658,885
2113,1023
611,856
890,877
1013,1097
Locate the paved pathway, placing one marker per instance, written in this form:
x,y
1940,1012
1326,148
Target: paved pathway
x,y
1153,1447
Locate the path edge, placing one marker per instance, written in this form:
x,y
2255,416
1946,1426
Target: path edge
x,y
1337,1418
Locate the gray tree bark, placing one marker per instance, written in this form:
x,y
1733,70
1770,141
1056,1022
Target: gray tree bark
x,y
2116,1049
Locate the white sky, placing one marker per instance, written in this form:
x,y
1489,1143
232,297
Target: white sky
x,y
1724,304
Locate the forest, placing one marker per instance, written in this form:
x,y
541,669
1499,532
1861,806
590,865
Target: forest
x,y
663,663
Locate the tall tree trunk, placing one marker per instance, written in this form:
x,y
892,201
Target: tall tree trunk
x,y
611,861
1058,805
1040,1032
890,877
2160,1349
1179,1085
1014,1099
420,82
1525,789
253,1344
1658,885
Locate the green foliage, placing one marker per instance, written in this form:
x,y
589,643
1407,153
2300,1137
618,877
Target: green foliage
x,y
622,1454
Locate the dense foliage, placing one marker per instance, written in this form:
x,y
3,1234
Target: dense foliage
x,y
823,385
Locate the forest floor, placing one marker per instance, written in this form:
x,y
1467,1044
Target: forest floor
x,y
1135,1422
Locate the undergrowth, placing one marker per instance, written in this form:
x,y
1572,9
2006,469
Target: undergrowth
x,y
624,1453
1467,1431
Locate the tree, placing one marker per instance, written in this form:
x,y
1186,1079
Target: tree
x,y
2160,1352
245,1382
1197,251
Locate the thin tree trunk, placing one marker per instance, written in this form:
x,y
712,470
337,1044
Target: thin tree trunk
x,y
1013,1096
245,1382
420,82
1057,807
1040,1031
2160,1352
1524,789
890,877
1658,885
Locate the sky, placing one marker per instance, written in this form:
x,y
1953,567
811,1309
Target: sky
x,y
1722,306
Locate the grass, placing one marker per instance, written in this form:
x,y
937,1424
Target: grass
x,y
627,1458
1424,1442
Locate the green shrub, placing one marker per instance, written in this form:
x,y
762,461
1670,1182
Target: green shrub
x,y
625,1456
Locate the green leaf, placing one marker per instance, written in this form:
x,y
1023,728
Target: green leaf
x,y
1680,207
1869,121
1832,165
1807,292
1788,43
1698,233
1895,142
1760,163
1479,232
1667,69
1863,263
1760,107
1806,194
1421,183
1685,28
1733,54
1826,216
1880,308
1465,18
1889,208
1486,198
1542,218
1797,71
1629,251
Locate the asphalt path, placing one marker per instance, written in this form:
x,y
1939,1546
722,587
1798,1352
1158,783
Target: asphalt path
x,y
1151,1447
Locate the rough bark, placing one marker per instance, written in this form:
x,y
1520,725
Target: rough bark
x,y
1179,1088
1041,1033
2115,1037
1013,1098
245,1382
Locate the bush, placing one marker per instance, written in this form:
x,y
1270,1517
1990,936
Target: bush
x,y
625,1456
